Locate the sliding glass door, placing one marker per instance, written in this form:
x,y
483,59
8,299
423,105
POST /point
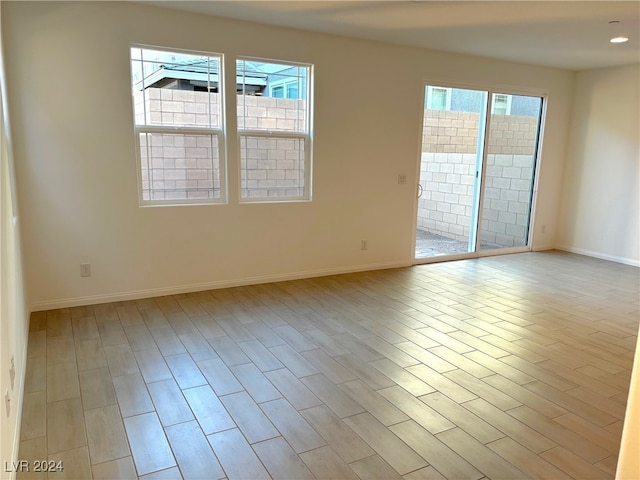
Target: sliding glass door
x,y
479,148
511,161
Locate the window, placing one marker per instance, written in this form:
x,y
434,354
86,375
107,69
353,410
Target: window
x,y
501,104
178,125
284,89
277,92
292,90
274,130
438,98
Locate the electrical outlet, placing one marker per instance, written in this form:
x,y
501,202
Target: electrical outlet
x,y
85,269
402,179
363,245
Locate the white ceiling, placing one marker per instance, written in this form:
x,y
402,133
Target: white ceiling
x,y
566,34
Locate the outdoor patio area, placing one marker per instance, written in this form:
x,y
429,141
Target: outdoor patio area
x,y
430,244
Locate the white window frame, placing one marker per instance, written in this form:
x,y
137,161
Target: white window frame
x,y
448,91
509,100
184,130
307,136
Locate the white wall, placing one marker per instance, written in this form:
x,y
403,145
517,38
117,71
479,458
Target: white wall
x,y
68,73
14,323
600,214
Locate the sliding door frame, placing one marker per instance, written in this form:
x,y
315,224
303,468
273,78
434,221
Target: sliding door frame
x,y
490,89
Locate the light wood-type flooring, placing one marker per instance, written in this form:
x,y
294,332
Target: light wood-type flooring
x,y
509,367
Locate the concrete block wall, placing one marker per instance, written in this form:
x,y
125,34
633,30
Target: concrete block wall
x,y
449,132
181,166
271,166
507,196
448,171
274,167
512,135
266,113
445,205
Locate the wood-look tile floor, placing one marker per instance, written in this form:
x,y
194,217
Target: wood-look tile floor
x,y
509,367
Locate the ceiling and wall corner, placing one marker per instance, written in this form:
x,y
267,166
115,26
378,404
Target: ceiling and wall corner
x,y
571,35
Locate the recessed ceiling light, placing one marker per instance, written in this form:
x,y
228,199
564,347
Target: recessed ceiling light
x,y
616,36
619,40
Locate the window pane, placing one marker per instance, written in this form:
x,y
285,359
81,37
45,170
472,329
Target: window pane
x,y
500,103
265,103
511,163
292,90
272,167
175,89
449,175
179,166
438,99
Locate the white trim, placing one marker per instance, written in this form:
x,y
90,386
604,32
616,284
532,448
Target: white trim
x,y
273,133
489,86
418,171
188,51
288,63
177,130
537,168
477,207
198,287
602,256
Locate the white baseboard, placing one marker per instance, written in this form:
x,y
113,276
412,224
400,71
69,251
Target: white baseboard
x,y
603,256
198,287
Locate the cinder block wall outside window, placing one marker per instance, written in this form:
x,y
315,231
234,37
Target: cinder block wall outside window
x,y
448,166
186,165
449,145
